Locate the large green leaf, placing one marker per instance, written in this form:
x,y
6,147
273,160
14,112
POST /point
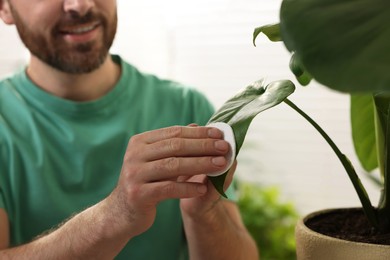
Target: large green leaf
x,y
240,110
382,105
363,130
382,115
343,44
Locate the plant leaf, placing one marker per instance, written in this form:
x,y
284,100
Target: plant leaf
x,y
296,67
240,110
363,130
382,105
343,44
272,31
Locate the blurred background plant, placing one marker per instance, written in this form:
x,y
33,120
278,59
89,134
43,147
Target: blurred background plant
x,y
270,220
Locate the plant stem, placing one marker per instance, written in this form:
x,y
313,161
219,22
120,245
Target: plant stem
x,y
362,194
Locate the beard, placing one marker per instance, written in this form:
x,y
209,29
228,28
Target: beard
x,y
76,58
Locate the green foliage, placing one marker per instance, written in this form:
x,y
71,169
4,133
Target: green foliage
x,y
270,221
343,44
363,130
272,31
304,78
296,67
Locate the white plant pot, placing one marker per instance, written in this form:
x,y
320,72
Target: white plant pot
x,y
315,246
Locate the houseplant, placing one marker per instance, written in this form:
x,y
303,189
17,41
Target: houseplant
x,y
342,44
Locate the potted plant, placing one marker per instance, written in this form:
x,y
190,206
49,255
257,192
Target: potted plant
x,y
342,44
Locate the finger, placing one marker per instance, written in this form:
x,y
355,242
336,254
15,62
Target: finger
x,y
229,176
174,190
178,147
181,132
196,178
174,167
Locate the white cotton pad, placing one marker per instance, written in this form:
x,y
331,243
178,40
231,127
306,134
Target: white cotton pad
x,y
228,136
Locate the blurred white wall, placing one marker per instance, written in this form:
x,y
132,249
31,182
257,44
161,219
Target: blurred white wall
x,y
12,53
208,44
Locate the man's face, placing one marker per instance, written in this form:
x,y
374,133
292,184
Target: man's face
x,y
64,38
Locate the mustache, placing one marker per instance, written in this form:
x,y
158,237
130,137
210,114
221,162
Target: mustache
x,y
74,19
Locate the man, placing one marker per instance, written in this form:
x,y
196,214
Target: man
x,y
90,164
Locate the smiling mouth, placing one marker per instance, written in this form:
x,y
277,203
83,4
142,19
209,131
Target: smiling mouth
x,y
80,29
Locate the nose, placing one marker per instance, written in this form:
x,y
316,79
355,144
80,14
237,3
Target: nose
x,y
81,7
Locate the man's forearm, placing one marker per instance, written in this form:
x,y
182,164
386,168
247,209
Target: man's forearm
x,y
220,234
92,234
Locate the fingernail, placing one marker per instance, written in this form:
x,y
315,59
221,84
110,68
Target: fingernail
x,y
221,145
214,133
219,161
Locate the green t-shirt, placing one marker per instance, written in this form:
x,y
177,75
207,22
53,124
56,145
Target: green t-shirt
x,y
58,157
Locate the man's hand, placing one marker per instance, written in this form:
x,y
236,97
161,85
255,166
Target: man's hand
x,y
158,165
164,164
202,205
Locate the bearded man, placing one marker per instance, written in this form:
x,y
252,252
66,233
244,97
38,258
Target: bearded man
x,y
99,160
